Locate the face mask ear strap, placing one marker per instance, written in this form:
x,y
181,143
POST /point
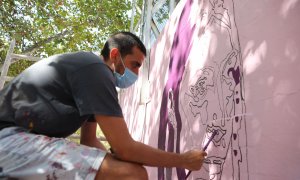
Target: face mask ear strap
x,y
122,61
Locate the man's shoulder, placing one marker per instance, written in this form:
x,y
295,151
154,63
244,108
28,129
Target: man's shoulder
x,y
74,61
79,56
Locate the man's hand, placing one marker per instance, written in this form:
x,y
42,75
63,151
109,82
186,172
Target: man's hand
x,y
193,159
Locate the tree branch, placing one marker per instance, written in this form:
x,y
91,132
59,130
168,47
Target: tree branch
x,y
34,47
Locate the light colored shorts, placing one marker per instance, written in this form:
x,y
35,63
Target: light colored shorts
x,y
36,157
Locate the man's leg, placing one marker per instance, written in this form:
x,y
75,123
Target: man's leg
x,y
30,156
112,168
33,157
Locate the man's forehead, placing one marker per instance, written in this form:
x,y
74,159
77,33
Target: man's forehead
x,y
138,54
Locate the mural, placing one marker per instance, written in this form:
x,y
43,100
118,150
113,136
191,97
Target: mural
x,y
229,67
169,115
211,94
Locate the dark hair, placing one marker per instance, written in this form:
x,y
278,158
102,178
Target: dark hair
x,y
124,41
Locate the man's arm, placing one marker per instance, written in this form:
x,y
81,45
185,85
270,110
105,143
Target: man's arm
x,y
126,149
88,135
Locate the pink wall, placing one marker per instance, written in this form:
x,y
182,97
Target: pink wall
x,y
227,66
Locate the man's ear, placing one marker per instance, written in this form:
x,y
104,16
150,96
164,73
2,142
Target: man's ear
x,y
114,53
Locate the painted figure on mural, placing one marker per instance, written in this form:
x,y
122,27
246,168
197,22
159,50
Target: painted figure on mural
x,y
212,92
178,57
171,133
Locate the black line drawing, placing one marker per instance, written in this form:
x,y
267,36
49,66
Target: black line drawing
x,y
213,97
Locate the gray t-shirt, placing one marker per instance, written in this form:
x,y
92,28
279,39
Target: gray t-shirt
x,y
56,95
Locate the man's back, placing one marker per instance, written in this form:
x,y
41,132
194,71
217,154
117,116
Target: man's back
x,y
42,99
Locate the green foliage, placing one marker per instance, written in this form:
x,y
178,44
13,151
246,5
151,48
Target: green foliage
x,y
46,27
19,66
43,28
163,13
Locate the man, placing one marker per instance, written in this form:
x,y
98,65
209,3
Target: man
x,y
54,97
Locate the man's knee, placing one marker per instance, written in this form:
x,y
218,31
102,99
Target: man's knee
x,y
136,171
112,168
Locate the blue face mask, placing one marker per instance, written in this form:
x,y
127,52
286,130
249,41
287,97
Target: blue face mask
x,y
127,79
